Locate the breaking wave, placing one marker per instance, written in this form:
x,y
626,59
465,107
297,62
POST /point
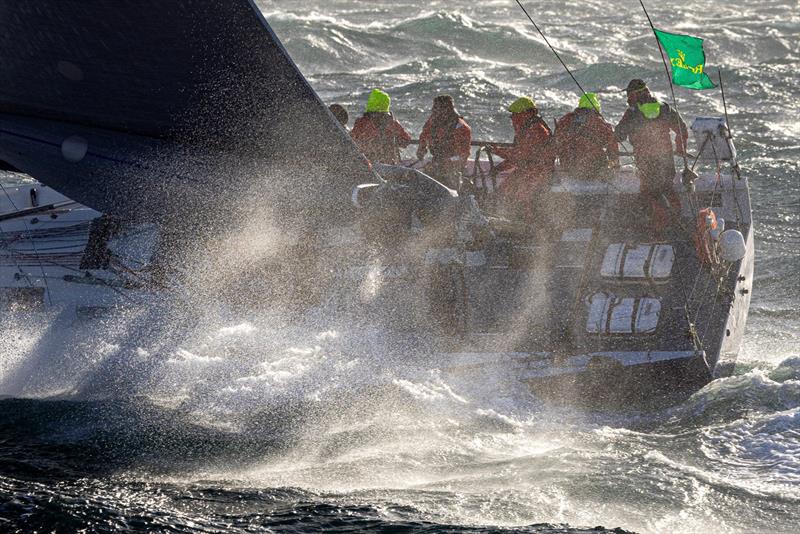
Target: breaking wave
x,y
337,422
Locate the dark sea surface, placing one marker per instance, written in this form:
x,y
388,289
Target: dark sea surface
x,y
234,424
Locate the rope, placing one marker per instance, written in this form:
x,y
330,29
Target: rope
x,y
566,68
718,181
669,79
713,274
724,104
716,298
39,257
734,164
574,79
14,262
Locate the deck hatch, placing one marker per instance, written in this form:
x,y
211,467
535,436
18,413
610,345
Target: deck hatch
x,y
608,314
646,262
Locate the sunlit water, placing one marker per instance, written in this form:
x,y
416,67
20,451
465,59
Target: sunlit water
x,y
249,423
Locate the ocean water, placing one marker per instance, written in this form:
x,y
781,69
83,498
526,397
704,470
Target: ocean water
x,y
248,424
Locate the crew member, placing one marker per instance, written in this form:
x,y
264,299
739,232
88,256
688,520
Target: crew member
x,y
447,135
648,123
377,133
586,144
340,113
531,157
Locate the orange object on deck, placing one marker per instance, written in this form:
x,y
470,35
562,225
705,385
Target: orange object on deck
x,y
706,222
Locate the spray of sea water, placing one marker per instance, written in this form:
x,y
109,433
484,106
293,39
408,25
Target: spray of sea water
x,y
165,420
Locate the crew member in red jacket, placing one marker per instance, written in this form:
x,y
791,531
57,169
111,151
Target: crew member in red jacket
x,y
648,123
448,136
586,144
531,158
377,133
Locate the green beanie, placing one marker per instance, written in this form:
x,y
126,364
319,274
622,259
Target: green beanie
x,y
589,101
522,104
378,102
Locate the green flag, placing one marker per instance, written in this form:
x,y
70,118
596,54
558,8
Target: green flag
x,y
687,58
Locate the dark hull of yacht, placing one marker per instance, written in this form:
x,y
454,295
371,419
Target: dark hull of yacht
x,y
589,301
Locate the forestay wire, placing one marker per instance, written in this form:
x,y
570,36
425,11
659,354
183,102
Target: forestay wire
x,y
558,56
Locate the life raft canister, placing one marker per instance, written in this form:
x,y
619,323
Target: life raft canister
x,y
703,241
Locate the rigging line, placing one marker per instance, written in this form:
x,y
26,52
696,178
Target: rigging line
x,y
710,280
696,279
553,50
696,342
698,345
700,150
716,298
12,252
669,79
70,245
688,300
33,242
724,104
718,181
8,242
713,281
68,268
711,204
42,257
734,163
558,56
713,272
15,254
583,282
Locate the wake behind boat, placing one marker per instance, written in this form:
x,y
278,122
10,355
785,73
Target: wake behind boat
x,y
588,298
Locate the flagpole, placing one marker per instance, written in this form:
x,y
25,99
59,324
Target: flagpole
x,y
669,79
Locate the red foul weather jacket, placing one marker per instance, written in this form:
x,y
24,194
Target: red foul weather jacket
x,y
652,144
380,137
449,143
652,150
532,154
586,143
532,158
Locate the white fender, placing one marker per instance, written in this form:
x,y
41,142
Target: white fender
x,y
732,246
